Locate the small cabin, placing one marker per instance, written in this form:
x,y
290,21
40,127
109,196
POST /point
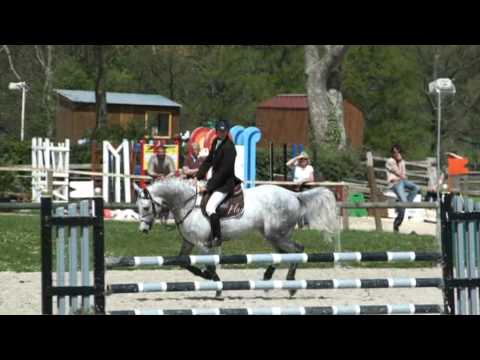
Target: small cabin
x,y
76,114
284,120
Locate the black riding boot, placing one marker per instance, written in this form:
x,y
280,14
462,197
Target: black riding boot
x,y
216,238
399,220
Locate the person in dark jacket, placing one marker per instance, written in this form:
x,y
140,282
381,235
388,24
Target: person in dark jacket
x,y
223,182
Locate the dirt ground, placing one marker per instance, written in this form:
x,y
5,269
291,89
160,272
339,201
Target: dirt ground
x,y
20,293
409,226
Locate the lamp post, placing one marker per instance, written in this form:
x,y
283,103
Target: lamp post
x,y
440,87
22,86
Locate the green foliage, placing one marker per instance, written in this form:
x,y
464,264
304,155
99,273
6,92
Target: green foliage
x,y
329,163
263,163
14,152
120,80
385,82
81,154
116,133
73,75
332,164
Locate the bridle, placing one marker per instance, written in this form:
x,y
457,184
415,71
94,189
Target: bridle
x,y
148,196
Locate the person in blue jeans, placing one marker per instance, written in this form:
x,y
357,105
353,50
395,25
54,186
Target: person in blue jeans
x,y
405,190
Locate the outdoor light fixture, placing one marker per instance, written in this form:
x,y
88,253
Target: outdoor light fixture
x,y
23,87
442,86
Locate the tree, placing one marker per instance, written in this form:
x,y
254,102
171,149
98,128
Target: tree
x,y
461,63
100,87
322,64
44,55
385,82
6,49
100,58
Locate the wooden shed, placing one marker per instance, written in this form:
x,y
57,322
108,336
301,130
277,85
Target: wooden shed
x,y
76,114
285,120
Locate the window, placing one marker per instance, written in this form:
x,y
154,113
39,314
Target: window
x,y
159,125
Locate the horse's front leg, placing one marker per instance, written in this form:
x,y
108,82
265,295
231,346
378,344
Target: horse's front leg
x,y
212,275
211,270
187,250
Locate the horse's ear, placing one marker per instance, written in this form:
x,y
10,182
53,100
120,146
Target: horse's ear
x,y
137,188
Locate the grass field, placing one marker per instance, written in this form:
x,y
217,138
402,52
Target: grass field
x,y
20,243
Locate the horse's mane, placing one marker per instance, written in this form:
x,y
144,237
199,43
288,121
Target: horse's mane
x,y
180,181
175,183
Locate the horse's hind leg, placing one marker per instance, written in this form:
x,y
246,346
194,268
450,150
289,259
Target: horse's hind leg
x,y
271,269
288,246
284,245
269,273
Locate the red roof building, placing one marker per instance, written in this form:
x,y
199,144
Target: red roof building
x,y
285,120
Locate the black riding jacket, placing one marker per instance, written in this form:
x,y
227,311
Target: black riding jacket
x,y
222,161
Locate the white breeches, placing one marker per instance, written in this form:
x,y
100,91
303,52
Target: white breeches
x,y
215,200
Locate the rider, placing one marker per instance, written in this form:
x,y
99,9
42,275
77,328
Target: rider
x,y
223,182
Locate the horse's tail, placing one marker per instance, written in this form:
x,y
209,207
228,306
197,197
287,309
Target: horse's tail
x,y
320,209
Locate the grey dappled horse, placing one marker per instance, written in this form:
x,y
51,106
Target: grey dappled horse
x,y
272,211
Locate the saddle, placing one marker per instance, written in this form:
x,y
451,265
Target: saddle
x,y
232,207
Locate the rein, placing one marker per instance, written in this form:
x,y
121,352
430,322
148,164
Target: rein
x,y
149,196
191,210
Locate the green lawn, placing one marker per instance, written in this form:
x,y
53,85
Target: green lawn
x,y
20,243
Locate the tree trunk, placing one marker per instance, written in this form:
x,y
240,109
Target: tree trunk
x,y
10,62
339,134
46,61
100,88
322,64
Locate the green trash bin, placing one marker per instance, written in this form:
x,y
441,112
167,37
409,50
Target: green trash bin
x,y
357,199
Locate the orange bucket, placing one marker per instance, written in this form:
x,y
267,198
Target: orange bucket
x,y
457,167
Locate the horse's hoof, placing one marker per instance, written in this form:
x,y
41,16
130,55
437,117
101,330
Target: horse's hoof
x,y
219,297
292,293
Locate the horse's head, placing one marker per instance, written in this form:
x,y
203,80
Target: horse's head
x,y
173,194
147,209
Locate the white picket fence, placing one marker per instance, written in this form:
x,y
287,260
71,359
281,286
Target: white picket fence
x,y
117,161
48,156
